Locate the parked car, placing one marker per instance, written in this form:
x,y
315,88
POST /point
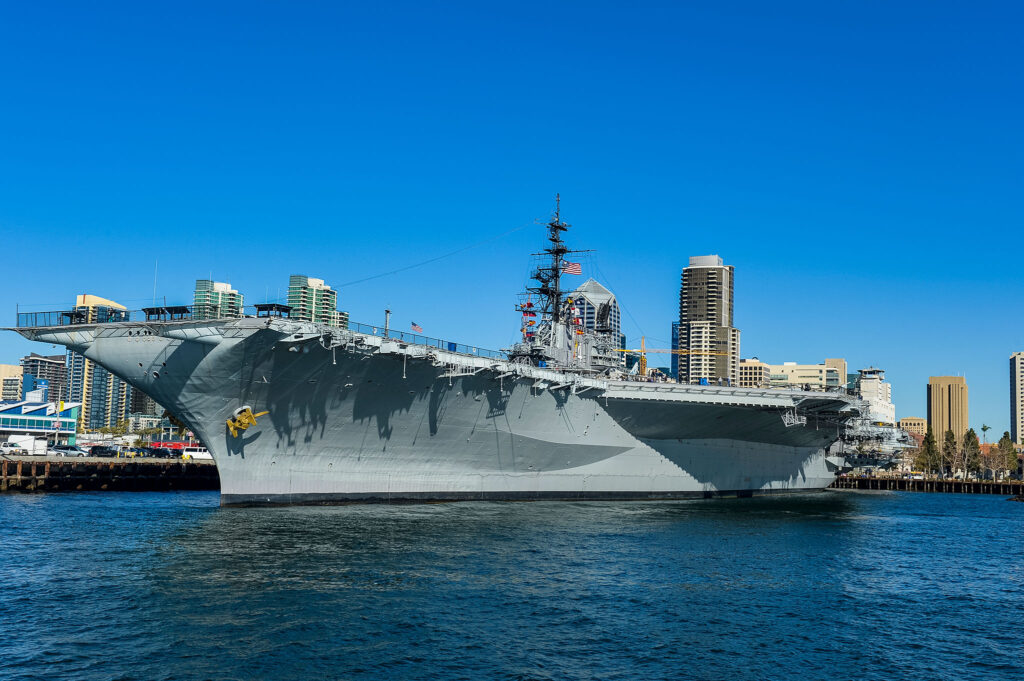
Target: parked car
x,y
67,450
103,450
12,449
150,452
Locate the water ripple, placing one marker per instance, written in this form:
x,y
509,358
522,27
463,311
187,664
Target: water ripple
x,y
834,585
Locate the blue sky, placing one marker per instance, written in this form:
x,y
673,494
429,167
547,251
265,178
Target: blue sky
x,y
859,163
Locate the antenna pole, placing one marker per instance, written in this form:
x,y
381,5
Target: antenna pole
x,y
387,322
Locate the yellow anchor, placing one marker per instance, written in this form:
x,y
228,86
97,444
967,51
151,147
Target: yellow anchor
x,y
242,419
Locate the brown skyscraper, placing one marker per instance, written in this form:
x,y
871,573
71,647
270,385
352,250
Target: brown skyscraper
x,y
947,405
705,322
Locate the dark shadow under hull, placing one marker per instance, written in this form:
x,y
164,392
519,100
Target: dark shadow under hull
x,y
244,500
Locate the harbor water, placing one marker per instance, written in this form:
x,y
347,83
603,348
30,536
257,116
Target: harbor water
x,y
834,585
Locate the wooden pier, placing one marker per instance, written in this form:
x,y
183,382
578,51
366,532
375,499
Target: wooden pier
x,y
1005,487
36,474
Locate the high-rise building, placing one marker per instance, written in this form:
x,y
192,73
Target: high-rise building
x,y
706,328
215,300
597,307
141,403
105,398
50,368
915,425
1017,397
312,300
754,374
599,310
675,345
947,405
10,382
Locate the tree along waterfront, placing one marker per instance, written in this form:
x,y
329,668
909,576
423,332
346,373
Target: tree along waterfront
x,y
966,456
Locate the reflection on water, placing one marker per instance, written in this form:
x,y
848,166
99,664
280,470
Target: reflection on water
x,y
830,585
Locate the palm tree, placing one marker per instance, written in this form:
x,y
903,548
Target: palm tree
x,y
984,430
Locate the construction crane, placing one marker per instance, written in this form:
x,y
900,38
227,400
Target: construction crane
x,y
643,350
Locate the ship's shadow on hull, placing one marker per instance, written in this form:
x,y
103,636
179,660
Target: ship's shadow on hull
x,y
236,445
320,404
730,465
694,437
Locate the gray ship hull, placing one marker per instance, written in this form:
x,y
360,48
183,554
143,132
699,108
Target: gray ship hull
x,y
357,417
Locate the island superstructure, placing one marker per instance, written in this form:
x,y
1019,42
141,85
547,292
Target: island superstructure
x,y
296,411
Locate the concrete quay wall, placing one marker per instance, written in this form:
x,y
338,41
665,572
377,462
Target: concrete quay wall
x,y
50,474
1006,487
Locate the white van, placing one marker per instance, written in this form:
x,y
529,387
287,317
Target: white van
x,y
190,453
28,445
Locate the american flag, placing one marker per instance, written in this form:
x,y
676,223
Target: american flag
x,y
417,328
571,268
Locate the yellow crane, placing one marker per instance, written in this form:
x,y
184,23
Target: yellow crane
x,y
643,350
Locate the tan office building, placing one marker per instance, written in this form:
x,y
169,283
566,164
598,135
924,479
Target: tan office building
x,y
839,365
10,382
754,374
915,425
809,376
947,405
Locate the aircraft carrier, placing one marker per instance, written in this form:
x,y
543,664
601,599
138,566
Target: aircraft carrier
x,y
295,412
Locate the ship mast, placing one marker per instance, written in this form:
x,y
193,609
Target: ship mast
x,y
543,337
549,278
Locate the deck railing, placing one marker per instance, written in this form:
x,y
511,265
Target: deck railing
x,y
185,313
417,339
